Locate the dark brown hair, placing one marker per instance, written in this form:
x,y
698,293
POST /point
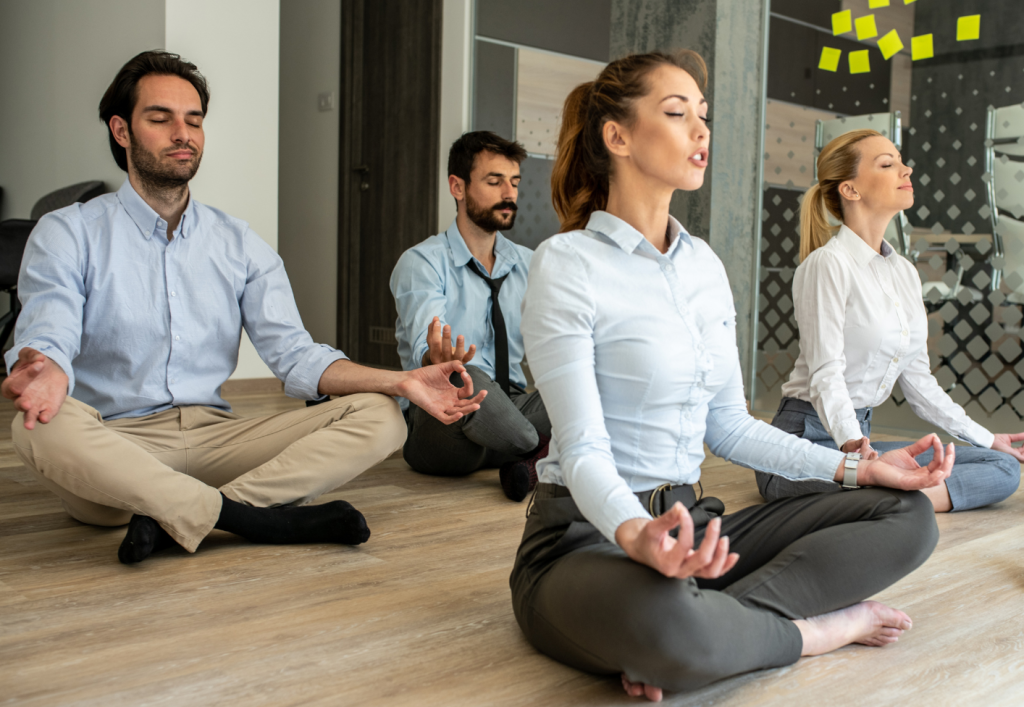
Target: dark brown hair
x,y
122,93
464,151
837,163
582,169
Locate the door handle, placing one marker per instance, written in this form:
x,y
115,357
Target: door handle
x,y
364,172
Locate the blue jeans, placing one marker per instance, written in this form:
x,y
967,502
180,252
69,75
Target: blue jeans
x,y
980,476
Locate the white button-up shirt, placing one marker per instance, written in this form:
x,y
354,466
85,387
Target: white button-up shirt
x,y
634,353
863,327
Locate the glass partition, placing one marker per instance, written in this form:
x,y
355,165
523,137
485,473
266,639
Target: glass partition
x,y
961,115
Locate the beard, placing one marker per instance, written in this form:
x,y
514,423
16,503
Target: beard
x,y
488,218
159,176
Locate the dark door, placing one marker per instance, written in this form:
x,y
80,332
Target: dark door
x,y
390,88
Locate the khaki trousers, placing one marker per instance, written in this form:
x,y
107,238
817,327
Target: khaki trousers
x,y
174,465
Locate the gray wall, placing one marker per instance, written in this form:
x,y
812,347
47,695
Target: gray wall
x,y
308,160
729,35
56,60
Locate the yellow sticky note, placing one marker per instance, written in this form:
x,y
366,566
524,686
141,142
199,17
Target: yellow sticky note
x,y
842,22
968,27
890,44
921,47
859,62
866,28
872,4
907,2
829,58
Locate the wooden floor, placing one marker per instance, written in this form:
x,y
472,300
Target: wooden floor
x,y
421,614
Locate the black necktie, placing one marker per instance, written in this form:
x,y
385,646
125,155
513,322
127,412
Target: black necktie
x,y
498,320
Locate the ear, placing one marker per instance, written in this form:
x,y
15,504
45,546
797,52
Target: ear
x,y
457,187
119,129
849,192
616,139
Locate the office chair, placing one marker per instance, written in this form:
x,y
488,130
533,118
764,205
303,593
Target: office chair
x,y
13,236
81,192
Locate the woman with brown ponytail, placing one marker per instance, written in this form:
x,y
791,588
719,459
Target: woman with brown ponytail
x,y
629,327
863,327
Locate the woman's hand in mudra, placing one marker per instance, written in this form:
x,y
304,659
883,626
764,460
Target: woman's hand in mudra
x,y
899,469
649,542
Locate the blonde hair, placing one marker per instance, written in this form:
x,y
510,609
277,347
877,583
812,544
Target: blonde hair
x,y
582,170
837,163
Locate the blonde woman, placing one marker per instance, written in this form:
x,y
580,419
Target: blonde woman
x,y
863,327
629,326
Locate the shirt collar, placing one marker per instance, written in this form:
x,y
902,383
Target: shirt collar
x,y
628,238
860,251
148,220
504,252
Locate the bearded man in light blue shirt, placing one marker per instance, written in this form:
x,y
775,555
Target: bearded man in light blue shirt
x,y
134,305
470,280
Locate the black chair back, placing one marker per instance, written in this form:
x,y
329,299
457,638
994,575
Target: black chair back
x,y
81,192
13,236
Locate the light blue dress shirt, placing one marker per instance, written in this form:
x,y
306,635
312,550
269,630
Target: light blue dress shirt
x,y
433,279
141,324
634,353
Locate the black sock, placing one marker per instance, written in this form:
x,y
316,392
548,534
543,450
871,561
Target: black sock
x,y
334,522
144,537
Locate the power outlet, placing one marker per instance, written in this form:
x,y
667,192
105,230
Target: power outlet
x,y
325,101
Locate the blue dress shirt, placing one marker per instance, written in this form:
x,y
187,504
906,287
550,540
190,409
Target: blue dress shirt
x,y
433,279
141,324
634,353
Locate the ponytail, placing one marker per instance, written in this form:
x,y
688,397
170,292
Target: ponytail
x,y
815,230
576,190
582,170
837,163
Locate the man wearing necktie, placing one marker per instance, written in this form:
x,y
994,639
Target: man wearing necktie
x,y
470,281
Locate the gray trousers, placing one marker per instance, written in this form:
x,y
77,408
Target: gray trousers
x,y
579,598
980,476
505,428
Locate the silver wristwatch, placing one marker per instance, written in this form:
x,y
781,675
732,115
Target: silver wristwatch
x,y
850,470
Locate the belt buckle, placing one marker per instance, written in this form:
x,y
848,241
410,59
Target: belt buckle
x,y
654,494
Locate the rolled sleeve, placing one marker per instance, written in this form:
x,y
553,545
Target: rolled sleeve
x,y
271,318
558,331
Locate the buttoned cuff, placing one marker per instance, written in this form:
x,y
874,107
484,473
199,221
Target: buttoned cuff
x,y
846,431
52,353
614,515
978,435
822,463
303,380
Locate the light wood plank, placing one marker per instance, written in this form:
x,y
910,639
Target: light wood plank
x,y
421,615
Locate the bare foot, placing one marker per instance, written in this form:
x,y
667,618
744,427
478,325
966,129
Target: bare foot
x,y
639,689
869,623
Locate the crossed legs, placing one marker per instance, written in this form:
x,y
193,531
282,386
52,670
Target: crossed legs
x,y
801,558
181,466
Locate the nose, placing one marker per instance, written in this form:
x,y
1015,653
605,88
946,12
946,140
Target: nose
x,y
702,131
907,171
509,191
179,132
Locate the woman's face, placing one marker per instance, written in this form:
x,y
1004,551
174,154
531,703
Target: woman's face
x,y
883,181
668,141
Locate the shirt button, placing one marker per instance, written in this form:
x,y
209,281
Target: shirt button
x,y
895,359
175,294
170,380
897,304
904,332
177,338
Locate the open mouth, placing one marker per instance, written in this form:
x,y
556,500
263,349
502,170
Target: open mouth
x,y
700,157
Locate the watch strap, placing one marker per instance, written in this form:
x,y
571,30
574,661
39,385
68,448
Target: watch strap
x,y
850,470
